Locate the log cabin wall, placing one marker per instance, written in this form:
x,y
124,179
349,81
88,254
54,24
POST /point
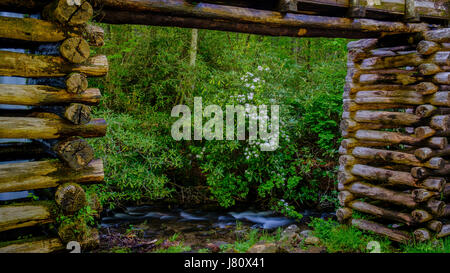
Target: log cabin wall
x,y
395,158
47,132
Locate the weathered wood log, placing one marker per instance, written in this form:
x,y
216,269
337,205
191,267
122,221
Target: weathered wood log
x,y
422,195
421,216
393,77
379,229
385,117
441,58
424,132
427,47
428,69
35,245
440,122
384,93
345,177
426,110
46,174
350,125
422,235
382,194
76,83
412,59
442,78
345,197
381,212
287,6
78,113
40,95
384,175
439,35
434,184
435,225
422,173
48,128
445,231
389,137
71,198
436,207
26,215
28,65
70,13
343,214
437,99
396,157
424,88
35,30
426,153
76,50
76,152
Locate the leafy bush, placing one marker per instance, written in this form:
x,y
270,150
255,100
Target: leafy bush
x,y
150,73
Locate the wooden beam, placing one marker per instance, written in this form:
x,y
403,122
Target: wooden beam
x,y
36,245
46,174
40,95
379,229
28,65
26,215
48,128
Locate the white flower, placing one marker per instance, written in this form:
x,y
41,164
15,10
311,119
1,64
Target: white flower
x,y
250,96
252,87
260,68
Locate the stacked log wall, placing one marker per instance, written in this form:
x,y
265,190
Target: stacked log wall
x,y
55,119
395,159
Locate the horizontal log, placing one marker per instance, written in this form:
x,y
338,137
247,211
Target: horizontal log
x,y
422,173
28,65
384,175
437,207
439,35
421,216
424,88
46,174
26,215
384,93
389,137
427,153
76,152
71,198
48,128
381,212
427,47
40,95
245,15
35,245
436,184
435,225
438,99
390,77
345,197
385,117
75,50
425,110
442,78
343,214
445,231
35,30
382,194
396,157
350,125
422,195
379,229
413,59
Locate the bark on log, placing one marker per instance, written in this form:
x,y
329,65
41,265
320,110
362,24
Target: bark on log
x,y
48,128
381,212
71,198
384,175
25,215
442,78
436,184
41,95
35,30
389,137
422,173
46,174
422,195
426,110
436,207
412,59
392,77
68,12
428,69
394,235
76,152
396,157
389,93
38,245
382,194
28,65
437,99
76,50
345,197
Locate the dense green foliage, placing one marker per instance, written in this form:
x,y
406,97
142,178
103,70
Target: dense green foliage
x,y
150,74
